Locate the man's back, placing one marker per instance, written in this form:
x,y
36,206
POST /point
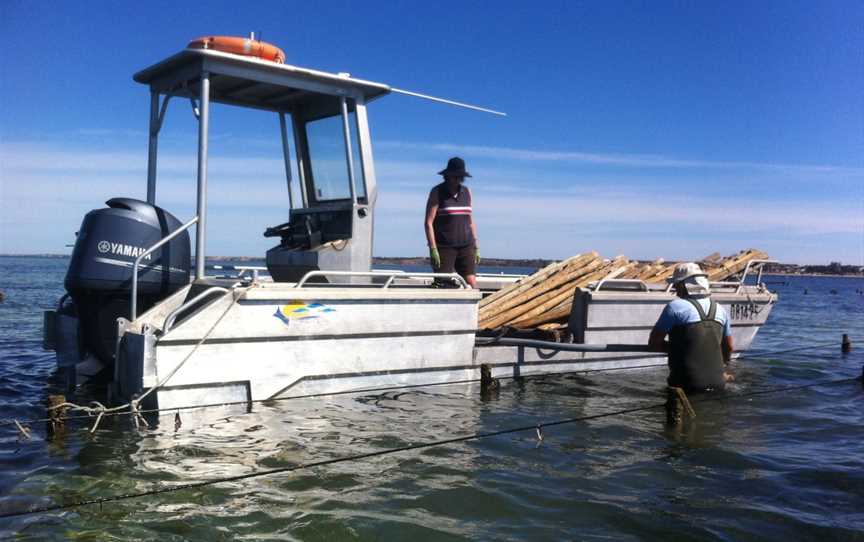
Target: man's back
x,y
681,311
696,329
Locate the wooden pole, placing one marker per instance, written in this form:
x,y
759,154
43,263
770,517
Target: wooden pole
x,y
516,305
564,303
677,405
523,303
516,295
525,283
736,264
56,413
547,296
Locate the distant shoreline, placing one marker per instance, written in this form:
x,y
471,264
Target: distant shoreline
x,y
843,275
487,262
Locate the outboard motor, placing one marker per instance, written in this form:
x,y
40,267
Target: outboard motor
x,y
99,279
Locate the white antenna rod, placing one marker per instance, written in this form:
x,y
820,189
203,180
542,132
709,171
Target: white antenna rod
x,y
449,102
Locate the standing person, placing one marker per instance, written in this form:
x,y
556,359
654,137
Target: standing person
x,y
700,334
450,229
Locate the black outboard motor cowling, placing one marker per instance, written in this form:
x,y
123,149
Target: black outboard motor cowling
x,y
99,279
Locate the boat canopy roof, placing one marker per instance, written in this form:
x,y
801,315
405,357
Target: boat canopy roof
x,y
251,82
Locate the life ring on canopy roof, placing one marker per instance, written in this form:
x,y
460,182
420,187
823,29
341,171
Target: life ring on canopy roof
x,y
240,46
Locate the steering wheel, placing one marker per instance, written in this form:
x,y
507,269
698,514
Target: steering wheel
x,y
290,234
276,231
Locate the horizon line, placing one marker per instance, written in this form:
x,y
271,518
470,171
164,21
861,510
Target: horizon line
x,y
236,257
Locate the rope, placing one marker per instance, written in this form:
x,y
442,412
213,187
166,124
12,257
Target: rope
x,y
125,410
537,428
133,406
771,353
244,403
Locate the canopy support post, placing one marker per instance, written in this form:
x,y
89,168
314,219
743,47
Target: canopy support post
x,y
157,115
152,147
366,161
286,153
203,130
299,145
346,132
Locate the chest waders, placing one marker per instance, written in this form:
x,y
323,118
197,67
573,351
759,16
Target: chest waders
x,y
695,352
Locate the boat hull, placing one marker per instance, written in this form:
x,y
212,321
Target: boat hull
x,y
275,341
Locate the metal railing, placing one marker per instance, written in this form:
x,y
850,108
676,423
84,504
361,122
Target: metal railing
x,y
390,275
621,282
133,313
761,264
256,270
737,284
172,316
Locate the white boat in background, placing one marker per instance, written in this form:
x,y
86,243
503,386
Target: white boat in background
x,y
320,320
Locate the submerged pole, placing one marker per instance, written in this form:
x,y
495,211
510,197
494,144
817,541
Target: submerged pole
x,y
677,404
487,383
56,413
203,130
845,344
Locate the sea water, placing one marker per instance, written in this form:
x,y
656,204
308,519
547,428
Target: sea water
x,y
784,466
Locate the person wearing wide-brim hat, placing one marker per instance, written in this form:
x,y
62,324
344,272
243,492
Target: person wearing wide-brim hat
x,y
700,334
450,228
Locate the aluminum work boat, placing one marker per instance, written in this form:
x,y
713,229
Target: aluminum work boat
x,y
318,319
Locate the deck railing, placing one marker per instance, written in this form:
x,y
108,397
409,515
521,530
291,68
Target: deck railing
x,y
133,313
390,275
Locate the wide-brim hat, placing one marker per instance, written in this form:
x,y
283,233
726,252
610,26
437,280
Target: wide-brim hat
x,y
695,280
455,168
684,271
697,286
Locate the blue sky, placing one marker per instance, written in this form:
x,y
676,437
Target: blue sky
x,y
650,129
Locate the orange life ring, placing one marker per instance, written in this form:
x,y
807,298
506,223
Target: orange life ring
x,y
240,46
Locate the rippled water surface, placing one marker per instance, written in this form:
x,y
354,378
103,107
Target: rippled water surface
x,y
780,467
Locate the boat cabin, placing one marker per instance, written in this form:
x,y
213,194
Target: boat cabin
x,y
331,220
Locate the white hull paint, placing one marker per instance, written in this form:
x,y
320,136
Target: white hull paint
x,y
276,340
273,340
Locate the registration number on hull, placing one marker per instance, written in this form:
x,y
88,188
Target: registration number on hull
x,y
743,311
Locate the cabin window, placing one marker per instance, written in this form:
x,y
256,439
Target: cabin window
x,y
326,144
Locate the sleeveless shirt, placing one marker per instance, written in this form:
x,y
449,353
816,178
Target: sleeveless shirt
x,y
452,224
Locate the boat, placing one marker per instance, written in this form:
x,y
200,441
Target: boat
x,y
318,319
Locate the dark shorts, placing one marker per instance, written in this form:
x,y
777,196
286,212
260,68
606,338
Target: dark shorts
x,y
457,259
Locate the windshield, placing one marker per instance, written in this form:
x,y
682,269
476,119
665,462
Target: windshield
x,y
326,143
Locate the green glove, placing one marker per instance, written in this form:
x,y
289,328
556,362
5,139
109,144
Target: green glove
x,y
435,257
477,256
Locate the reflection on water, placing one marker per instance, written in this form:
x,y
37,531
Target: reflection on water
x,y
785,466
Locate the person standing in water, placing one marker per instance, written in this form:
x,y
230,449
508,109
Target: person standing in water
x,y
450,229
700,333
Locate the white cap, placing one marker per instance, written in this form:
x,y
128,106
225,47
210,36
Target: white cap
x,y
695,280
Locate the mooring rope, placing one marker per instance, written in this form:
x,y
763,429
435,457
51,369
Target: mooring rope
x,y
757,354
126,410
100,410
537,428
242,403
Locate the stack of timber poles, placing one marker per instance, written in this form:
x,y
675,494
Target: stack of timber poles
x,y
544,299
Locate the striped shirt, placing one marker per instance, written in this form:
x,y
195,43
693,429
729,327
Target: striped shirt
x,y
452,222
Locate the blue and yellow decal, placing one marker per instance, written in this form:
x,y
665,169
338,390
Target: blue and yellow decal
x,y
301,310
